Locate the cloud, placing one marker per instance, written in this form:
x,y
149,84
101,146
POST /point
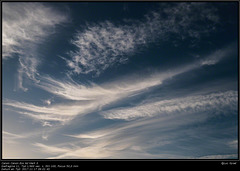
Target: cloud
x,y
11,135
223,156
137,138
14,138
27,68
121,87
104,145
218,55
105,44
46,124
91,135
51,113
9,139
233,144
144,138
52,149
47,101
215,102
93,152
87,98
25,25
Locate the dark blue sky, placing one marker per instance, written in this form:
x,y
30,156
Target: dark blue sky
x,y
120,80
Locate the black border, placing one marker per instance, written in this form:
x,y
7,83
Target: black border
x,y
140,162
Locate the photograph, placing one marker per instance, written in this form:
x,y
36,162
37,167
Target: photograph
x,y
119,81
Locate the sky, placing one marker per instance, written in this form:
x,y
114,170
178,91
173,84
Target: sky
x,y
120,80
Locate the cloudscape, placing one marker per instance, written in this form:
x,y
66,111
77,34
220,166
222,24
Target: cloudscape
x,y
120,80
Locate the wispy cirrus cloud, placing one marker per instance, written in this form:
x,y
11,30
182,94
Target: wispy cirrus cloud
x,y
93,152
60,113
103,143
25,25
52,149
128,85
233,144
14,138
218,55
133,139
92,97
212,102
223,156
102,45
85,99
11,136
137,138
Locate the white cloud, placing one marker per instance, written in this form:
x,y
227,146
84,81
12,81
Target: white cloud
x,y
218,55
44,137
222,156
119,88
25,25
86,99
104,44
100,46
127,85
93,146
192,104
93,152
46,124
11,135
52,113
137,139
47,102
233,144
28,68
14,138
93,97
52,149
91,136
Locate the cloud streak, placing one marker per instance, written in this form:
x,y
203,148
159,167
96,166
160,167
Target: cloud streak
x,y
218,55
25,25
92,97
102,45
51,113
137,138
216,102
128,85
223,156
